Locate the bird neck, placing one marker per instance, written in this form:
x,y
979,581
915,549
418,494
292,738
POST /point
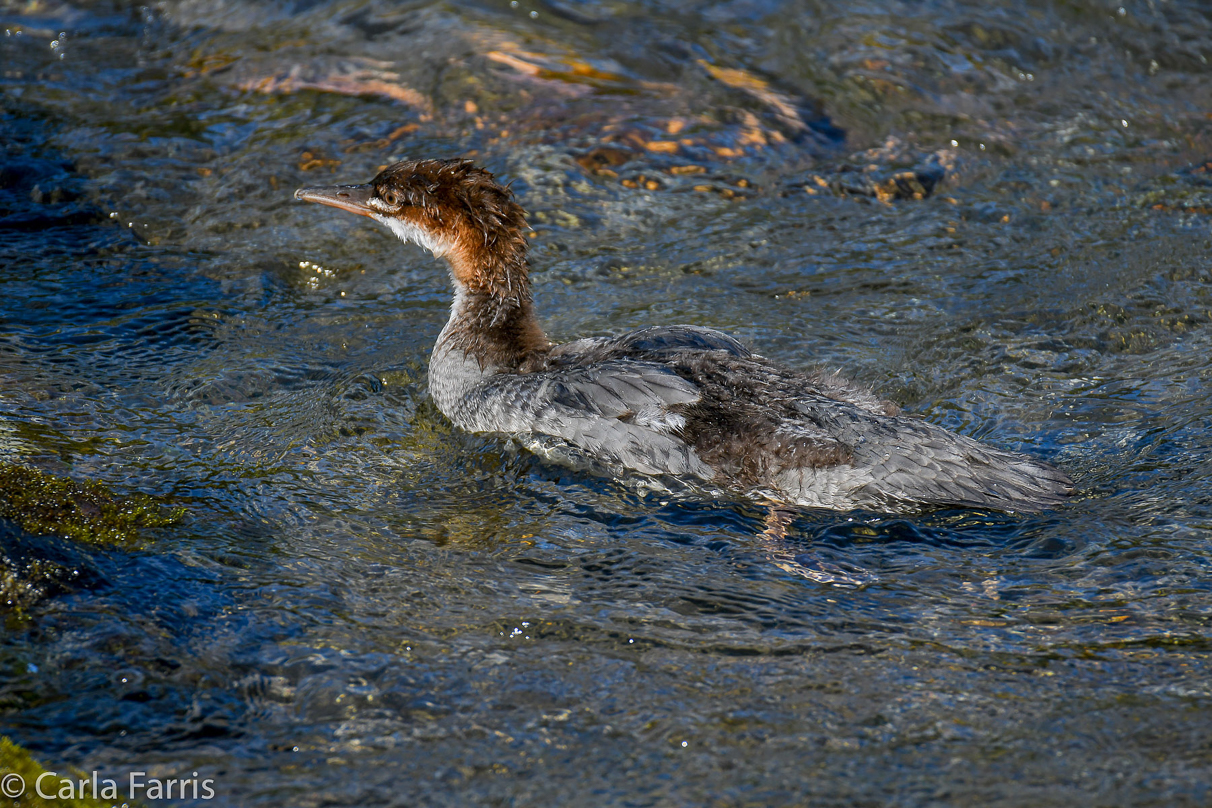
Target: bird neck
x,y
492,320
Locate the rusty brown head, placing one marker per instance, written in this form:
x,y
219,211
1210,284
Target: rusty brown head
x,y
453,208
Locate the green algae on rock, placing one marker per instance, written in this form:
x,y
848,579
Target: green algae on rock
x,y
89,512
16,761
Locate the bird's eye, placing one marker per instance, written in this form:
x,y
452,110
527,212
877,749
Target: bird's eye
x,y
390,198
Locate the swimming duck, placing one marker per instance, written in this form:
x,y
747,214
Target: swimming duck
x,y
675,401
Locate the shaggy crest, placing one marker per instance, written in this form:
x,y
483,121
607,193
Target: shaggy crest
x,y
460,203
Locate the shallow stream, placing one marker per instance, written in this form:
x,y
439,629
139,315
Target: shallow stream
x,y
1000,218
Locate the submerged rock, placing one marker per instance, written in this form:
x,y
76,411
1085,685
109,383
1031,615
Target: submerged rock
x,y
36,567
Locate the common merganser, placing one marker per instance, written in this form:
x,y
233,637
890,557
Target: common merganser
x,y
668,401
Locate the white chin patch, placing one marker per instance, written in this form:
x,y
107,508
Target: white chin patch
x,y
407,231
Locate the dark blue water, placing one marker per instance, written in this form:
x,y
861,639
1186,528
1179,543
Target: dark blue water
x,y
364,606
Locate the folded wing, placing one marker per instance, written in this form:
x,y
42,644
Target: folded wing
x,y
621,411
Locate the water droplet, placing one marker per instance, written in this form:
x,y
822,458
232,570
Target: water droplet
x,y
954,143
1121,11
684,744
534,15
1125,123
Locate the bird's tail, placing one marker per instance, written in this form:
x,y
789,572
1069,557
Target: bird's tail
x,y
931,466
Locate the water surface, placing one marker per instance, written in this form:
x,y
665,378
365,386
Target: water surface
x,y
999,217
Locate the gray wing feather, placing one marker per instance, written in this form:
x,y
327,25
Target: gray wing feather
x,y
616,410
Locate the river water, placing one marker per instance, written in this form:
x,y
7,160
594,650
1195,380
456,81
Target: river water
x,y
1001,218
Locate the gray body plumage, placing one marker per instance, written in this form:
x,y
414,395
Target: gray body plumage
x,y
693,402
